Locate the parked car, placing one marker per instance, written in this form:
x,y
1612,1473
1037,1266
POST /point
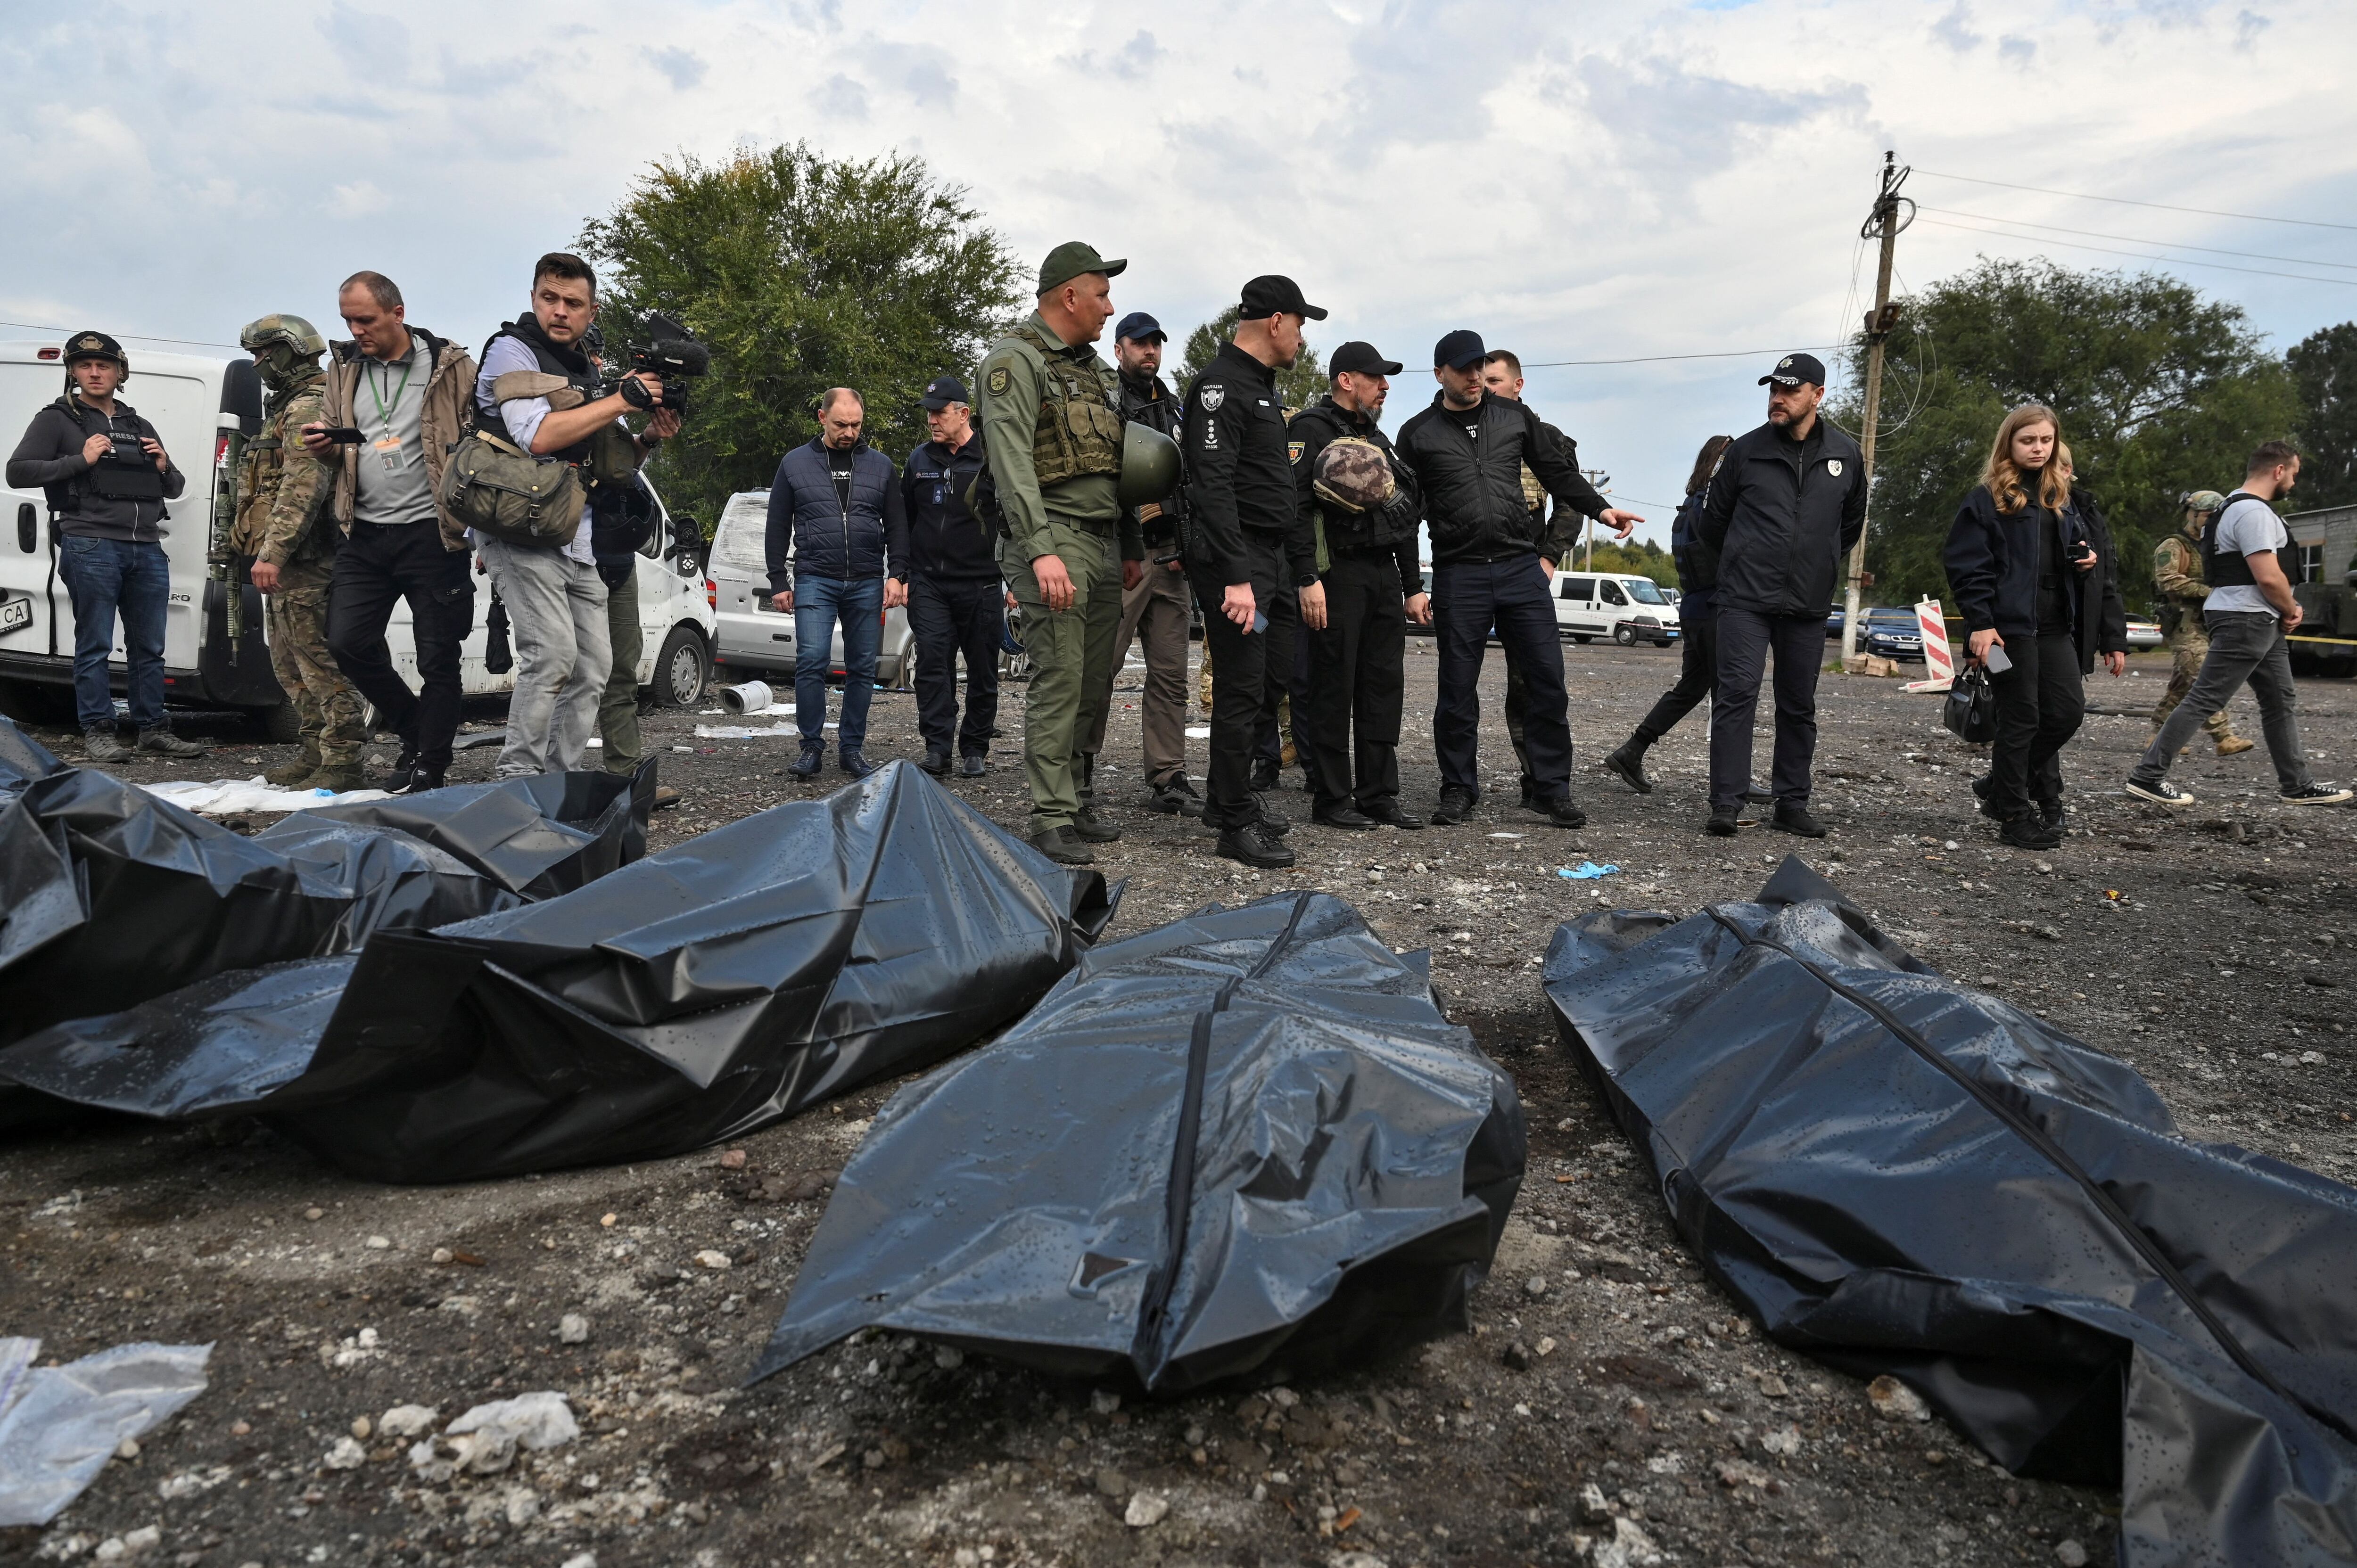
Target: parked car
x,y
1891,634
754,639
1625,608
195,402
2144,633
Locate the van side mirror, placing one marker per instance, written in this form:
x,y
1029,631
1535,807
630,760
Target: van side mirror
x,y
29,532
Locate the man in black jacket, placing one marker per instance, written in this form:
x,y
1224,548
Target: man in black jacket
x,y
1366,544
1154,596
1468,452
955,594
1785,506
1501,374
1250,551
107,478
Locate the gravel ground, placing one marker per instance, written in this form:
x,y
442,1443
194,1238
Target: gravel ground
x,y
1610,1406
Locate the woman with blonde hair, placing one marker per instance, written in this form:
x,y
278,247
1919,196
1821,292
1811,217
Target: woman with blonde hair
x,y
2038,603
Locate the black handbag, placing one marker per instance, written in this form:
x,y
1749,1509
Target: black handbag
x,y
1970,711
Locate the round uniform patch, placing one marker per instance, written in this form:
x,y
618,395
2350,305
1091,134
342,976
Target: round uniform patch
x,y
1832,467
997,381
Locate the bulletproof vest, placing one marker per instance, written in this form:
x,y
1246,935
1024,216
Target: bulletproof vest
x,y
261,466
487,415
2232,569
1079,428
126,473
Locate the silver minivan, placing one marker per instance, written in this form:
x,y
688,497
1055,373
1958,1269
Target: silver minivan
x,y
754,639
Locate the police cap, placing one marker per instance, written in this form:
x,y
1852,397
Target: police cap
x,y
1357,359
944,390
1796,369
1271,294
1073,259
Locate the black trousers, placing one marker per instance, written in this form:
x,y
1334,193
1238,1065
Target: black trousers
x,y
2039,704
1241,693
1293,682
379,564
952,616
1746,639
1698,673
1357,683
1468,600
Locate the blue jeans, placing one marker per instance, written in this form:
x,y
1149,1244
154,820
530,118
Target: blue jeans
x,y
819,603
104,576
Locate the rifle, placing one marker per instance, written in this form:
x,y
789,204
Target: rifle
x,y
220,555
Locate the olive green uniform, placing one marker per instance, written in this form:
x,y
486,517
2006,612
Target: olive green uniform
x,y
281,492
1049,421
2178,583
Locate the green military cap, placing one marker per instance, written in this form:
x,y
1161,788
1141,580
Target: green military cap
x,y
1069,260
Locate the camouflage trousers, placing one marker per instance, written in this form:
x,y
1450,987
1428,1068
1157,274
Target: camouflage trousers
x,y
325,701
2189,645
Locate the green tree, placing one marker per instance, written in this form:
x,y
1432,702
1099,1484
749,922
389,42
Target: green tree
x,y
1296,384
2160,391
1638,558
2324,368
802,274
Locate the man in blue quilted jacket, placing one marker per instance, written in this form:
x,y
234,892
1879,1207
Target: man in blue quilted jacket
x,y
838,552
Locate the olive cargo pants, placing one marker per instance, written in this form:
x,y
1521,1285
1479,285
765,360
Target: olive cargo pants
x,y
1072,660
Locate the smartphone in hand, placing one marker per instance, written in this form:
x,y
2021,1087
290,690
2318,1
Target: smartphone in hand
x,y
342,434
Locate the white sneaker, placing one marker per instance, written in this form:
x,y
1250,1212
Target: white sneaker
x,y
2163,793
2317,794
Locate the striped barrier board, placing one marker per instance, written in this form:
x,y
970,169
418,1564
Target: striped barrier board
x,y
1939,660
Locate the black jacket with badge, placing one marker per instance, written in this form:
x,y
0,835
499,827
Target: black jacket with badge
x,y
1387,530
1780,514
1995,561
1468,463
1239,470
1149,402
946,540
90,498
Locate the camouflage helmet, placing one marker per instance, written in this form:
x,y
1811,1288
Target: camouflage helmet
x,y
2202,502
280,327
1354,474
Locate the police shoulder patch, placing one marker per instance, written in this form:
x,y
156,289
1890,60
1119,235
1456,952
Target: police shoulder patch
x,y
999,381
1833,467
1211,397
1293,450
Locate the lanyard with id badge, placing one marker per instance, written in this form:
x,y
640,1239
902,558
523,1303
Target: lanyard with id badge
x,y
387,446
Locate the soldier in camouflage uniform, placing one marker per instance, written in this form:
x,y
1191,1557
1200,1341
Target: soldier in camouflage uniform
x,y
281,492
2179,585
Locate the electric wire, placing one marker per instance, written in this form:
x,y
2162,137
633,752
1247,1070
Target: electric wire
x,y
2139,256
2126,201
136,337
2132,240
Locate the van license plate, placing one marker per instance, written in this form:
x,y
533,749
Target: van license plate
x,y
15,612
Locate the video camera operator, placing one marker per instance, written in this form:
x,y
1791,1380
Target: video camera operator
x,y
108,477
539,387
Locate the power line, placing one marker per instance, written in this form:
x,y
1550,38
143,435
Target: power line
x,y
2133,240
136,337
2139,255
2124,201
1656,358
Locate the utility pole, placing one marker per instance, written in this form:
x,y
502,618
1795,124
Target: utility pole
x,y
1883,223
1598,478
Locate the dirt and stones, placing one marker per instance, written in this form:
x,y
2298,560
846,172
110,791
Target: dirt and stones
x,y
1620,1412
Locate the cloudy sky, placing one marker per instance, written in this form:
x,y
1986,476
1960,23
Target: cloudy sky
x,y
1579,182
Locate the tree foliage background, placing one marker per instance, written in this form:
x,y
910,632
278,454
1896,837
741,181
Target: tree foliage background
x,y
802,274
1296,384
2158,390
2324,367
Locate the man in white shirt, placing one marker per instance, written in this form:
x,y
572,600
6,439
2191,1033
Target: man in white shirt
x,y
555,599
2250,565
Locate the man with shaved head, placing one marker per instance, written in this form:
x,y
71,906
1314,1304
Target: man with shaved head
x,y
838,551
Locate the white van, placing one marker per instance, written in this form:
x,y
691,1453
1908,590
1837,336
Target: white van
x,y
194,402
753,639
1629,609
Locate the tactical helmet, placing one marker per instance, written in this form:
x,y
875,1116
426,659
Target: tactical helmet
x,y
97,346
1150,465
2202,500
280,327
1353,474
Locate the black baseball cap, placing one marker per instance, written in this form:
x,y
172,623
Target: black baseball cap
x,y
1273,294
1796,369
944,390
1359,359
1138,328
1458,349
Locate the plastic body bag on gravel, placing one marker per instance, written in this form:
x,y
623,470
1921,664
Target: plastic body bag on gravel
x,y
707,990
1896,1174
1246,1139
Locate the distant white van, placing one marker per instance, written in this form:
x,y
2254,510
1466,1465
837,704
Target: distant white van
x,y
753,639
1626,608
194,402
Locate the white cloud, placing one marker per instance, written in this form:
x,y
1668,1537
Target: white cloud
x,y
1577,182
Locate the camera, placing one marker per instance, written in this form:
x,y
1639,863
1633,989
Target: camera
x,y
673,354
